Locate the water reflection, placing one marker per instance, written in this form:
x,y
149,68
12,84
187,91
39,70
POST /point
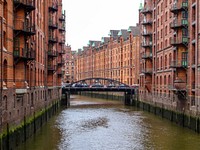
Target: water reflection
x,y
106,126
94,124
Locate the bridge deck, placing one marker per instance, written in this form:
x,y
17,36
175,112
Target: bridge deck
x,y
100,89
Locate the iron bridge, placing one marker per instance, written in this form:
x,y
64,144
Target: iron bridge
x,y
128,91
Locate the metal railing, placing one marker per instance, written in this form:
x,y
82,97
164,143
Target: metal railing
x,y
179,23
53,24
62,17
146,10
147,55
179,40
52,53
23,26
51,67
147,21
178,64
180,5
147,70
53,7
25,2
147,44
27,53
53,39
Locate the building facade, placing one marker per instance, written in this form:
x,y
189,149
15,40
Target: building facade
x,y
69,71
169,54
32,34
113,57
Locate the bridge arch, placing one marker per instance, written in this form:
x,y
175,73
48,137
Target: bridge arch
x,y
95,80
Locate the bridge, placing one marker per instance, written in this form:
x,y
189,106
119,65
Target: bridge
x,y
99,80
99,85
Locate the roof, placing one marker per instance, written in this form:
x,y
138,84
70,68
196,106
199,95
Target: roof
x,y
135,30
105,39
94,43
123,33
114,33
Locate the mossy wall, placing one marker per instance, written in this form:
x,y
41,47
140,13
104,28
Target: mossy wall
x,y
181,119
14,136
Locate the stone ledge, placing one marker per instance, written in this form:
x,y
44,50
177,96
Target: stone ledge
x,y
21,91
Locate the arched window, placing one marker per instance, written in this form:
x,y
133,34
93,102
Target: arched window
x,y
157,82
170,59
5,104
160,81
165,61
161,62
158,64
5,73
169,80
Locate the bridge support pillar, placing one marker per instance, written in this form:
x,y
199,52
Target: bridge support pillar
x,y
66,101
128,98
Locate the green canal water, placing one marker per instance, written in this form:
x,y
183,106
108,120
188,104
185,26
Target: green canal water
x,y
96,124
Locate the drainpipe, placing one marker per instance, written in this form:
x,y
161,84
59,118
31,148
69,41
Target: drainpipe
x,y
197,52
1,32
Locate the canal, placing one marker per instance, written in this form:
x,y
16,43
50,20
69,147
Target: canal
x,y
95,124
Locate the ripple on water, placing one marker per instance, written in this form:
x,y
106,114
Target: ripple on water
x,y
94,123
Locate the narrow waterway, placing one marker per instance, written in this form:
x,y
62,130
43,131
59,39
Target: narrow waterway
x,y
95,124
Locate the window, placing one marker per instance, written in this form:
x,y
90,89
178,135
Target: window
x,y
5,68
4,40
185,32
184,59
169,80
158,64
165,61
5,10
165,30
161,62
170,58
166,44
184,14
160,81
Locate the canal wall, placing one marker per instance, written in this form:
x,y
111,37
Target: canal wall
x,y
104,95
14,136
180,118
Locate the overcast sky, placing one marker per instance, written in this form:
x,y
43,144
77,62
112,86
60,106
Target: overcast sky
x,y
92,19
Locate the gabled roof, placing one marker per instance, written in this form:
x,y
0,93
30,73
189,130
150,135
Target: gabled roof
x,y
114,33
135,30
93,43
105,40
123,33
85,48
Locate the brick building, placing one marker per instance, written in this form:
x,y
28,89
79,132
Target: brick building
x,y
169,54
113,57
32,46
69,71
